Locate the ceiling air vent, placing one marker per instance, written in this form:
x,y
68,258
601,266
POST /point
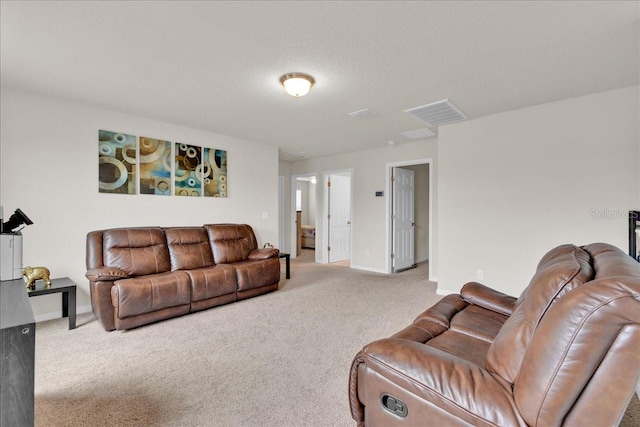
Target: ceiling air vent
x,y
291,156
438,113
361,113
419,133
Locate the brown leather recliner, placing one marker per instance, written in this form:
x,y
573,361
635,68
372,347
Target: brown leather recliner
x,y
566,352
145,274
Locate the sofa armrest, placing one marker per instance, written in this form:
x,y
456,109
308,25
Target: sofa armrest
x,y
459,387
101,305
484,296
104,274
264,253
101,280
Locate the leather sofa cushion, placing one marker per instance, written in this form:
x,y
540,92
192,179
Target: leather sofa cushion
x,y
462,345
189,248
137,251
606,261
455,314
478,322
561,270
141,295
255,274
584,354
212,282
231,242
434,321
456,327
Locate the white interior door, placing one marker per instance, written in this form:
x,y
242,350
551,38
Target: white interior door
x,y
403,256
339,189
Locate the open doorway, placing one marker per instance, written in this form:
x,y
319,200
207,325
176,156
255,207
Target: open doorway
x,y
321,218
305,196
409,214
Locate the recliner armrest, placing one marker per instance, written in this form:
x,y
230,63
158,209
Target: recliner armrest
x,y
264,253
106,274
486,297
459,387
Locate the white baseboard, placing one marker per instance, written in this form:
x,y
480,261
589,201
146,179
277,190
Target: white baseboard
x,y
444,292
373,270
56,314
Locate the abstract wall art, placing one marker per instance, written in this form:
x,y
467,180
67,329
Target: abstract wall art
x,y
214,173
155,166
159,167
188,167
117,162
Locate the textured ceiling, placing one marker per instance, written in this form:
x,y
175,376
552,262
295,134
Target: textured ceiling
x,y
215,65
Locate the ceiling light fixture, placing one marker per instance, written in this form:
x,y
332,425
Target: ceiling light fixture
x,y
297,84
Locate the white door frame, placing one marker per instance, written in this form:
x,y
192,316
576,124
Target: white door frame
x,y
389,207
281,213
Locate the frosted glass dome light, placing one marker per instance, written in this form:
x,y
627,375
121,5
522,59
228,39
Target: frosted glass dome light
x,y
297,84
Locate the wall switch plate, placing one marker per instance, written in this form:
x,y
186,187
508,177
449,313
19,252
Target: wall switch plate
x,y
479,274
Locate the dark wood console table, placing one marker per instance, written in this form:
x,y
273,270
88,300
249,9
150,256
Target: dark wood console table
x,y
17,355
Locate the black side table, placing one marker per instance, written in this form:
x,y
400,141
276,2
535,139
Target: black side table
x,y
65,286
287,258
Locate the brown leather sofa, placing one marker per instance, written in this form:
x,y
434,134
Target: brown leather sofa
x,y
146,274
566,352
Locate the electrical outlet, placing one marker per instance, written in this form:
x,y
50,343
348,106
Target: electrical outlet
x,y
265,215
366,252
479,274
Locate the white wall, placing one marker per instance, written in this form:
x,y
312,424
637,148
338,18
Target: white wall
x,y
49,169
310,219
368,172
284,170
513,185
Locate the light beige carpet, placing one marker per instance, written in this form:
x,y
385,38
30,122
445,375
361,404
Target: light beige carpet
x,y
280,359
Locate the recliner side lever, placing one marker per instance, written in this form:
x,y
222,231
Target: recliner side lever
x,y
394,405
